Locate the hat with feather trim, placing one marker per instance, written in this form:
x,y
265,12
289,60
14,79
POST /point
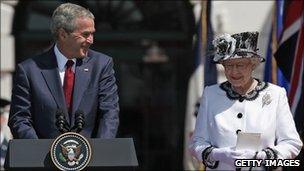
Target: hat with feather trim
x,y
240,45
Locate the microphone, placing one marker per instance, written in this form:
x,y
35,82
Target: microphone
x,y
61,121
79,120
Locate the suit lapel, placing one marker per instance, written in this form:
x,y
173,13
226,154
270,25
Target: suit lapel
x,y
82,76
51,76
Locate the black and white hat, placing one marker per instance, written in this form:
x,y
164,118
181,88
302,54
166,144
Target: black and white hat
x,y
240,45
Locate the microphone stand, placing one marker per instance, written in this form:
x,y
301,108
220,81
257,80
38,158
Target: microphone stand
x,y
79,121
61,122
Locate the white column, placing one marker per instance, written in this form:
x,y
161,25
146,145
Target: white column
x,y
7,50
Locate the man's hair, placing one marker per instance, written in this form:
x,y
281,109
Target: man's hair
x,y
64,17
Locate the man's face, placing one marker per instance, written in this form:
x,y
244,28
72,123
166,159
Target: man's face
x,y
76,44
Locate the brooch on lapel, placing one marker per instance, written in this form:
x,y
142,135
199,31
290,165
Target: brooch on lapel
x,y
266,100
86,70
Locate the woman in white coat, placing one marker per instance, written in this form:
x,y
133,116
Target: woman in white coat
x,y
242,104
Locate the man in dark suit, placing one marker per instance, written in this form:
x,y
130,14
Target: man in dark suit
x,y
69,78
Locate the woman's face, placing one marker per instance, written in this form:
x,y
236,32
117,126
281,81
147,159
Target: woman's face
x,y
238,71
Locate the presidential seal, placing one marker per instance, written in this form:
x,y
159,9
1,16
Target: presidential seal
x,y
71,151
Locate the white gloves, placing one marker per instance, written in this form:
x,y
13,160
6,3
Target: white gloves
x,y
247,154
261,155
228,154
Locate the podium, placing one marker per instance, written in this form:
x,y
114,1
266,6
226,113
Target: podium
x,y
107,154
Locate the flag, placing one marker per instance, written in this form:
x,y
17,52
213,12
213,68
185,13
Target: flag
x,y
290,57
272,73
204,73
210,71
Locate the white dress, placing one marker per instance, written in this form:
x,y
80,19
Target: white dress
x,y
223,113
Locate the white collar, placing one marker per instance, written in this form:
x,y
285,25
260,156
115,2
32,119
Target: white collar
x,y
61,59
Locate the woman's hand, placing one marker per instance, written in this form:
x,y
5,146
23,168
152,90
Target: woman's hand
x,y
261,155
228,154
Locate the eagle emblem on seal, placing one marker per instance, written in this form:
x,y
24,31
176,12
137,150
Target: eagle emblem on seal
x,y
71,154
71,151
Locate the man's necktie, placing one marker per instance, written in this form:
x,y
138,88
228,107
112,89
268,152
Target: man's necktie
x,y
68,85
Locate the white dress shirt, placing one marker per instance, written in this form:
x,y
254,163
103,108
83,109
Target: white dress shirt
x,y
61,61
269,114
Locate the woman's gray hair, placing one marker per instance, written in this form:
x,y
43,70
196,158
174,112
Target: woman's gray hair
x,y
255,62
64,17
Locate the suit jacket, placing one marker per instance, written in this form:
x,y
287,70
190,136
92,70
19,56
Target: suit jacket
x,y
220,118
37,95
